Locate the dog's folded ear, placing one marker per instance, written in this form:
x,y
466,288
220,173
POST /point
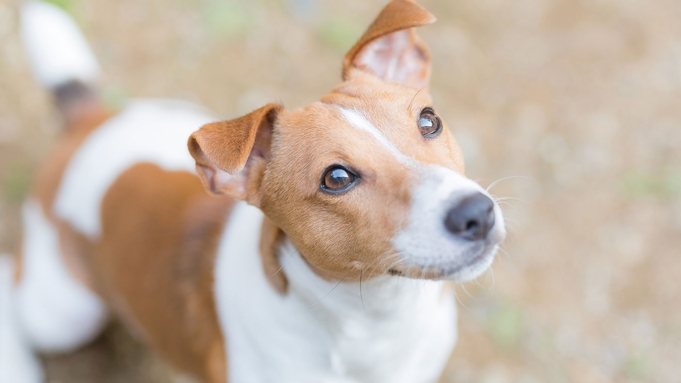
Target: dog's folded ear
x,y
231,155
390,48
271,237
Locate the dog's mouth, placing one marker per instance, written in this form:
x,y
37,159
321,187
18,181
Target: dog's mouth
x,y
471,267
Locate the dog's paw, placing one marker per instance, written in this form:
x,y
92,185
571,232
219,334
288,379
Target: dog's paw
x,y
18,364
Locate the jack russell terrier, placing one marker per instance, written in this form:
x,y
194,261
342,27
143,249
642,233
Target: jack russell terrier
x,y
322,253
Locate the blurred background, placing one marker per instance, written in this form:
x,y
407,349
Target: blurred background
x,y
578,100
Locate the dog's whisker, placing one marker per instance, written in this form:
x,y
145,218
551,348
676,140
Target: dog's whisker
x,y
463,286
502,199
493,184
456,295
491,270
501,249
278,271
285,254
327,294
505,200
361,296
414,98
479,282
513,223
378,263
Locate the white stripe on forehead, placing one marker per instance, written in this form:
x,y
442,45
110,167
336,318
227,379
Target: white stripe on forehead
x,y
360,122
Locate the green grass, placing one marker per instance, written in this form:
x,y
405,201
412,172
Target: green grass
x,y
67,5
16,183
340,33
665,184
114,97
638,366
506,326
229,19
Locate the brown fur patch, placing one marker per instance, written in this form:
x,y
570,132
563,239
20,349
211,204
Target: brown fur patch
x,y
155,261
270,240
50,174
229,147
48,179
171,305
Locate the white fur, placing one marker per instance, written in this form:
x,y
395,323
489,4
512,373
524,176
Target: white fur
x,y
18,364
360,122
425,242
154,131
397,330
57,313
56,48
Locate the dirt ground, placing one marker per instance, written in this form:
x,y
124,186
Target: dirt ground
x,y
580,99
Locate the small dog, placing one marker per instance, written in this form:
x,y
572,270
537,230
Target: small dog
x,y
295,269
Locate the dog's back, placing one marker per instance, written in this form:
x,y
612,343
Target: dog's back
x,y
117,189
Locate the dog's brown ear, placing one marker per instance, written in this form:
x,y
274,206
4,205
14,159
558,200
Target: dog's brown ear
x,y
390,48
271,237
231,155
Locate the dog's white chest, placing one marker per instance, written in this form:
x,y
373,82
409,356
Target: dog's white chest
x,y
397,330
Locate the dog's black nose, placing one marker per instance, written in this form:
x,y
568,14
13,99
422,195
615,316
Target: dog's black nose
x,y
472,218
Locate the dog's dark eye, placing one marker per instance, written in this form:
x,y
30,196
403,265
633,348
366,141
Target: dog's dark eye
x,y
429,123
338,179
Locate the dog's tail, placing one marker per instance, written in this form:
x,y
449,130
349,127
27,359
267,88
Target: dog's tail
x,y
60,57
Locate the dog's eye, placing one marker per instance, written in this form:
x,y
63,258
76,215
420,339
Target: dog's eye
x,y
430,124
337,179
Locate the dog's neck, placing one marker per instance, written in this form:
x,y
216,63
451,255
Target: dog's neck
x,y
323,330
382,297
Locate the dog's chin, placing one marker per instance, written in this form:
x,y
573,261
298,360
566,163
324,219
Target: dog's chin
x,y
472,267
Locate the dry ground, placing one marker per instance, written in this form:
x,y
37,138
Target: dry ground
x,y
580,97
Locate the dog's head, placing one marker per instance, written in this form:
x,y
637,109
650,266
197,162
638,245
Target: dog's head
x,y
369,180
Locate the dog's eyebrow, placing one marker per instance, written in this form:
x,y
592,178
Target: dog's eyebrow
x,y
357,120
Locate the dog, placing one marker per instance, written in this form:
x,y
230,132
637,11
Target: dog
x,y
323,251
